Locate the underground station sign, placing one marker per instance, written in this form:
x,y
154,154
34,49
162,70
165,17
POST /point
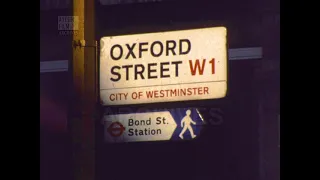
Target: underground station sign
x,y
163,67
172,124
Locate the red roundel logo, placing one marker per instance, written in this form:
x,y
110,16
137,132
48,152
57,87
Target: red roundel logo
x,y
115,129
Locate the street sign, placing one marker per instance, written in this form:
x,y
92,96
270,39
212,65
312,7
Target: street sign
x,y
173,124
164,67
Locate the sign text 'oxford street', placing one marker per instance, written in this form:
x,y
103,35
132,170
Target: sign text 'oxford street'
x,y
163,67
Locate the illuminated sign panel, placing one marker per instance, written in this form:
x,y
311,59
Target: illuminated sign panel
x,y
172,124
164,67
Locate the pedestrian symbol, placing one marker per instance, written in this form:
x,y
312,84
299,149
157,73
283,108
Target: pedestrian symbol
x,y
189,124
186,124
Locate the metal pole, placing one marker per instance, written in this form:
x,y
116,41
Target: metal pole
x,y
83,90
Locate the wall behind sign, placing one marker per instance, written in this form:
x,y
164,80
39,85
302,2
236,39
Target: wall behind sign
x,y
53,102
55,151
61,4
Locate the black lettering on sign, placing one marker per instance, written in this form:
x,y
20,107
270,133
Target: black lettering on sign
x,y
162,69
152,49
170,48
156,49
115,73
141,49
177,66
112,51
181,42
138,72
130,122
151,70
130,51
127,70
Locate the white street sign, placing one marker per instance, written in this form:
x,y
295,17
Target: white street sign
x,y
164,67
151,126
